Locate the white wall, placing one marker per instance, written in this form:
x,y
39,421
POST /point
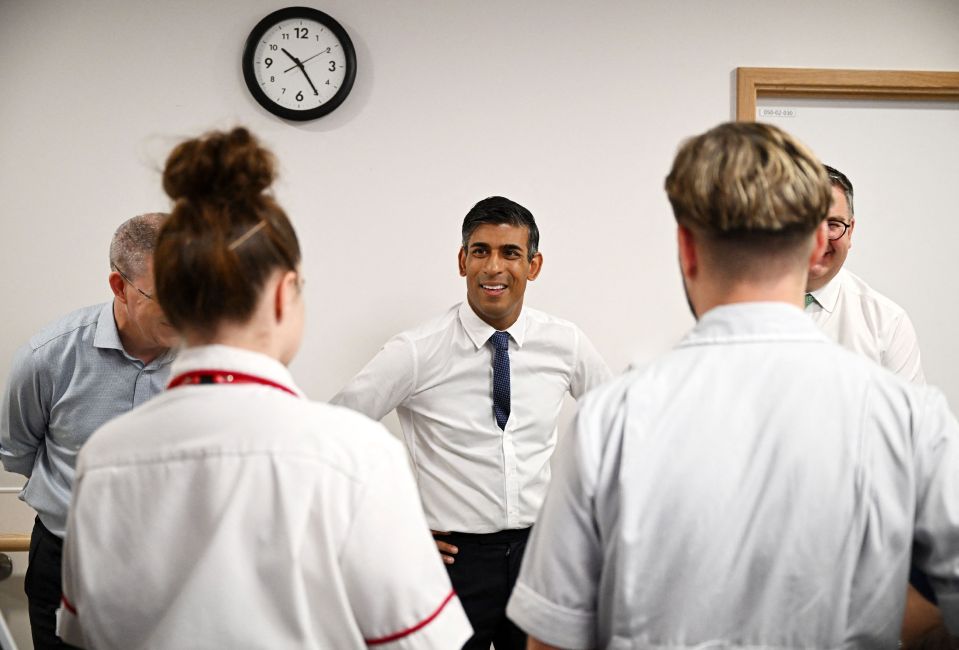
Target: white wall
x,y
903,159
574,109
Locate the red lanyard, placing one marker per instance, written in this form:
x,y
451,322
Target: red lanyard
x,y
223,377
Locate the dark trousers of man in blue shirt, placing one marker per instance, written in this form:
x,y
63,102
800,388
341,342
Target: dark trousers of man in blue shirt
x,y
43,586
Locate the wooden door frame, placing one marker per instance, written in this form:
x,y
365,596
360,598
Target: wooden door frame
x,y
753,83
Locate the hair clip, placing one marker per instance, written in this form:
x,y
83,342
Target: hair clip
x,y
236,243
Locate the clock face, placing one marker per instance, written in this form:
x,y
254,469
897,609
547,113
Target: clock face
x,y
299,63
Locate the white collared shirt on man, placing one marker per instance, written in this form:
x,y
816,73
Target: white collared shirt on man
x,y
241,516
865,321
474,477
757,487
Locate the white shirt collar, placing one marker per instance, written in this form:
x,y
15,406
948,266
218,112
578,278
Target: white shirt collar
x,y
108,336
828,295
479,331
228,358
752,321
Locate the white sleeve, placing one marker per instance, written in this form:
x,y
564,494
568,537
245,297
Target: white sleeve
x,y
384,383
901,353
555,597
68,618
395,580
590,370
936,545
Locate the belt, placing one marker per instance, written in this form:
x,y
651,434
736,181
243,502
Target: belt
x,y
510,536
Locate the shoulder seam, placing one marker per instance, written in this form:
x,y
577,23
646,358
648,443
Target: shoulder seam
x,y
54,337
295,455
429,328
93,319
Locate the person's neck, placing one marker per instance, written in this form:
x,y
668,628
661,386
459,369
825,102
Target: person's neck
x,y
145,351
243,337
787,290
500,325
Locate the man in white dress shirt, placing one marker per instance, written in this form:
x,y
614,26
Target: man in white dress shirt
x,y
865,321
759,486
478,391
849,310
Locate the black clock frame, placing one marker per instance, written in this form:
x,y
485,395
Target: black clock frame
x,y
307,13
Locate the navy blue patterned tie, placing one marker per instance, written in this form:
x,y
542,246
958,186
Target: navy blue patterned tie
x,y
500,341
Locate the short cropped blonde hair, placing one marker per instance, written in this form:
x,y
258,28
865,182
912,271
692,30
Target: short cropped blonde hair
x,y
744,178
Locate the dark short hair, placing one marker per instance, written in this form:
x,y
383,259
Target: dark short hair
x,y
497,210
840,180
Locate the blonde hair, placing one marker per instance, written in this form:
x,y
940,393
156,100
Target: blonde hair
x,y
746,178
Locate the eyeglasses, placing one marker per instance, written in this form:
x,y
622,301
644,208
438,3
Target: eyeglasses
x,y
130,282
837,229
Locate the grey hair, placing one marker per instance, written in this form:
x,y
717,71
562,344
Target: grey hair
x,y
134,241
840,180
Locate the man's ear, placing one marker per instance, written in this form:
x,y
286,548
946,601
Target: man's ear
x,y
535,266
688,255
852,226
462,261
117,284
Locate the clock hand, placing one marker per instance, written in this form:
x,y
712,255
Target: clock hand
x,y
305,60
302,69
295,60
315,92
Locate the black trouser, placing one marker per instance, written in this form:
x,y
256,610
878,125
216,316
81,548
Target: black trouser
x,y
43,587
483,576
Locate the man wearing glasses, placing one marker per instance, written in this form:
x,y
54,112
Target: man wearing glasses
x,y
73,376
867,322
849,310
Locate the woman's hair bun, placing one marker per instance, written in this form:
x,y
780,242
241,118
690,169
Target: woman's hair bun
x,y
218,167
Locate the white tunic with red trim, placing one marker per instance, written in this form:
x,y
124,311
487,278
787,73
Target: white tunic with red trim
x,y
230,512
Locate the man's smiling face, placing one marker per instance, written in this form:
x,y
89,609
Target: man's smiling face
x,y
826,267
496,264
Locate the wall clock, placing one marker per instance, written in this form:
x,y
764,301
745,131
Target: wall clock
x,y
299,63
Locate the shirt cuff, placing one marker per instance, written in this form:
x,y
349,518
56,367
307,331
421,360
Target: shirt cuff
x,y
68,625
551,623
449,628
22,465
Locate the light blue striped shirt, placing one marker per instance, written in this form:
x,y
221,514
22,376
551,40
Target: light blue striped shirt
x,y
67,381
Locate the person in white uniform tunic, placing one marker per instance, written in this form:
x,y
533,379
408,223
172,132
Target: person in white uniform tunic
x,y
231,512
759,486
